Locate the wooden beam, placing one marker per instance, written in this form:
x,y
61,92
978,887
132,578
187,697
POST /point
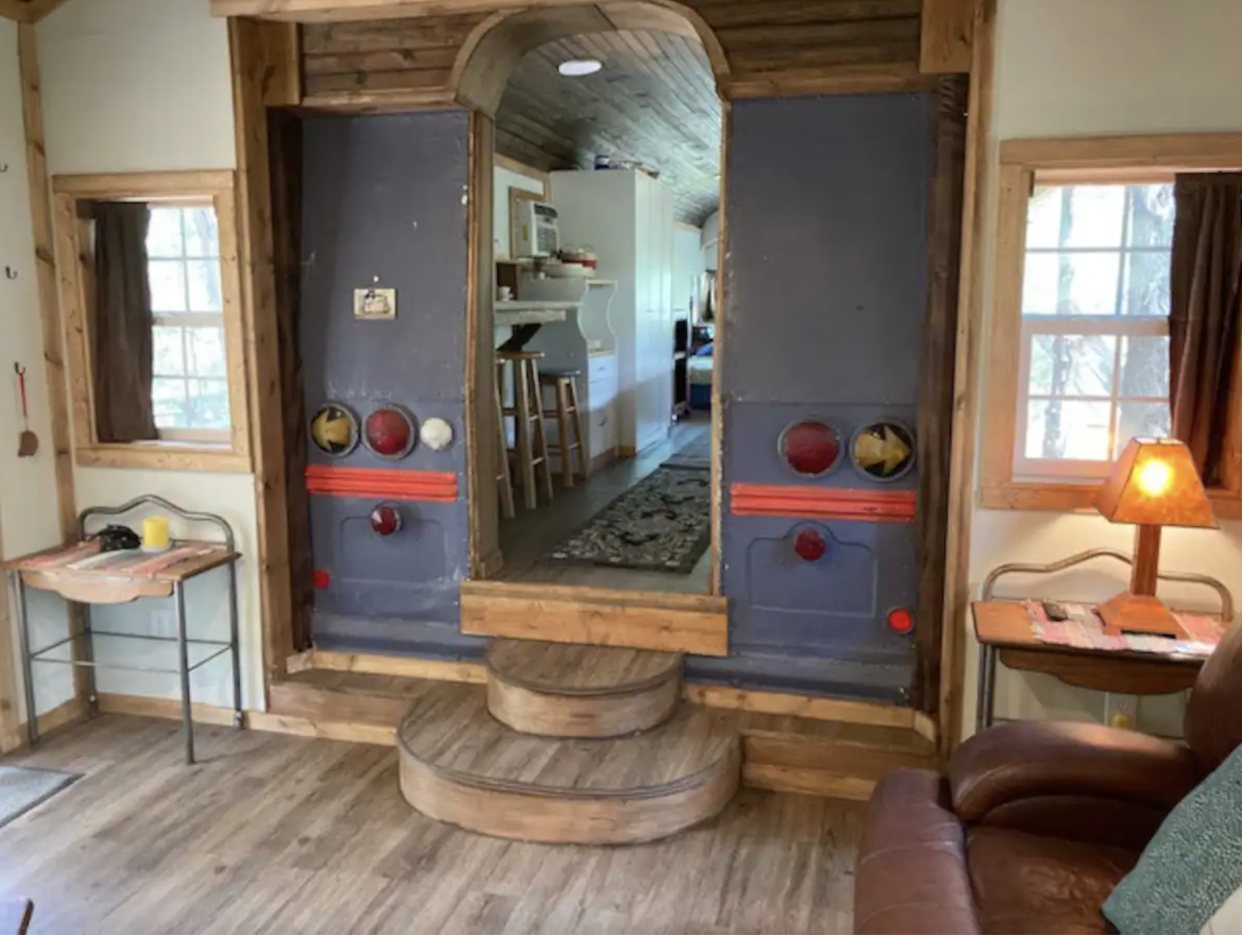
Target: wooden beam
x,y
37,10
15,10
49,313
845,79
803,706
966,367
947,36
260,66
720,312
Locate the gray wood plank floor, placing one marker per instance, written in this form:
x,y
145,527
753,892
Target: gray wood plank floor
x,y
280,834
531,535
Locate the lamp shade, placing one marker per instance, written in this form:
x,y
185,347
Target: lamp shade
x,y
1154,483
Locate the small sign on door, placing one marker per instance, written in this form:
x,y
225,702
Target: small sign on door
x,y
375,304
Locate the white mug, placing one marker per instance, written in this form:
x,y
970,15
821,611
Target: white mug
x,y
506,293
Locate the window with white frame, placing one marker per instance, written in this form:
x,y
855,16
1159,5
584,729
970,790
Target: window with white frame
x,y
1095,306
190,388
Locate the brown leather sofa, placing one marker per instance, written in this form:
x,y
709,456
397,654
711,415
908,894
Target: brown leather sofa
x,y
1036,822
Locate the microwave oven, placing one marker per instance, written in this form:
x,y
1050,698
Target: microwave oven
x,y
535,232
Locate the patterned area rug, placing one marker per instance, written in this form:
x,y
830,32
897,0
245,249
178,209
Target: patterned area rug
x,y
663,523
696,456
21,789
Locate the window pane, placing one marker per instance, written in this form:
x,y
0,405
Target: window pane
x,y
202,239
167,279
1071,284
168,397
1067,429
169,353
204,286
209,404
205,349
164,233
1147,284
1145,367
1140,420
1072,365
1043,218
1151,215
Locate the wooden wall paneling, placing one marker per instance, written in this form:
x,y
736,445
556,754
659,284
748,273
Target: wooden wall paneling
x,y
285,145
998,414
259,52
718,354
965,390
935,411
49,314
485,558
947,34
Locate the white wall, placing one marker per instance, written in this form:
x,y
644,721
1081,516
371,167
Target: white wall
x,y
28,506
687,266
1066,68
506,179
133,86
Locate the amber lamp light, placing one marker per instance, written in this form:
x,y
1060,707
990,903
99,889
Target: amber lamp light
x,y
1153,484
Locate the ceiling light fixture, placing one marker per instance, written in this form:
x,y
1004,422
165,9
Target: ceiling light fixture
x,y
578,67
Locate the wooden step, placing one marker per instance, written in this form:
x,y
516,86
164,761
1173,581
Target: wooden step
x,y
565,690
349,697
460,765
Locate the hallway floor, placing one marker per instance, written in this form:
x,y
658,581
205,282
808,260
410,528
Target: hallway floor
x,y
527,538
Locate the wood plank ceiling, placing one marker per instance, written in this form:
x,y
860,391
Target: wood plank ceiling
x,y
654,103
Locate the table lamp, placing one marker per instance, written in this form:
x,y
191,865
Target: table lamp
x,y
1153,484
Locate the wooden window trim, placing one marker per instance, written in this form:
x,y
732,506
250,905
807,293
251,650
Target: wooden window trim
x,y
68,192
1085,160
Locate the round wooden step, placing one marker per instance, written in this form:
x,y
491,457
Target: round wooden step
x,y
567,690
460,765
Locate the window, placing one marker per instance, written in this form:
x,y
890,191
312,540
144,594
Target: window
x,y
190,388
1078,361
1095,304
197,390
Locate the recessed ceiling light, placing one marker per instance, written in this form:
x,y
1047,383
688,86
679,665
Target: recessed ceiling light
x,y
577,67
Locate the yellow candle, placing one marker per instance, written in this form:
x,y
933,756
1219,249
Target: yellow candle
x,y
155,533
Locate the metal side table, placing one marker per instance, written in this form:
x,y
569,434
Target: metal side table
x,y
82,575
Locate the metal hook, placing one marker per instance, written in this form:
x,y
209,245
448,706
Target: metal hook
x,y
4,167
10,273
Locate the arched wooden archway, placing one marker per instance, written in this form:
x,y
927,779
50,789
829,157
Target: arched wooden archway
x,y
493,50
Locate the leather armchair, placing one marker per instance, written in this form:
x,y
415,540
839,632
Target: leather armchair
x,y
1036,822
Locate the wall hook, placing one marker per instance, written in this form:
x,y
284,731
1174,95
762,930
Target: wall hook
x,y
4,167
10,273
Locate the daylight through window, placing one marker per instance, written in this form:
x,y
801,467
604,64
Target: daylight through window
x,y
1095,306
190,387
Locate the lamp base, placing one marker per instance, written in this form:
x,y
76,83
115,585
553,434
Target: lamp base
x,y
1139,613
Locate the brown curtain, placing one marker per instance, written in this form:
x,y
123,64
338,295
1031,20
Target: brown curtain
x,y
121,332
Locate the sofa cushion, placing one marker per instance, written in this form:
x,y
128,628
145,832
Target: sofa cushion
x,y
1029,883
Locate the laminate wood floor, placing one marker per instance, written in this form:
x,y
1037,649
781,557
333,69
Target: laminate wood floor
x,y
281,834
525,539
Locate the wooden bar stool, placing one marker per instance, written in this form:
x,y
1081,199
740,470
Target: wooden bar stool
x,y
531,444
504,480
564,384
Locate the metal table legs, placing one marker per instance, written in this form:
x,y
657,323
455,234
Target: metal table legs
x,y
29,656
23,637
987,687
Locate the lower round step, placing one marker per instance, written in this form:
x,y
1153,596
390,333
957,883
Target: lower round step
x,y
568,690
459,765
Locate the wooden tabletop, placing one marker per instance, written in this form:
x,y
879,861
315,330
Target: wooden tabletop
x,y
1007,625
83,560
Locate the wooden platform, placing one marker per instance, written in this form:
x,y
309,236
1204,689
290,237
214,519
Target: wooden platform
x,y
784,753
678,623
461,766
565,690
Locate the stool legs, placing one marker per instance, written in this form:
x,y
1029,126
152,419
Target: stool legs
x,y
579,438
539,440
525,462
562,428
503,479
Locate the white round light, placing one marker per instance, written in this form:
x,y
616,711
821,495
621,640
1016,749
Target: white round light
x,y
436,434
577,67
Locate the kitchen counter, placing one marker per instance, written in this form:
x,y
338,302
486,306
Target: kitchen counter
x,y
531,313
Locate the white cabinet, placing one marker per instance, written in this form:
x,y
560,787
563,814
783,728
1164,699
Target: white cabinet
x,y
627,219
